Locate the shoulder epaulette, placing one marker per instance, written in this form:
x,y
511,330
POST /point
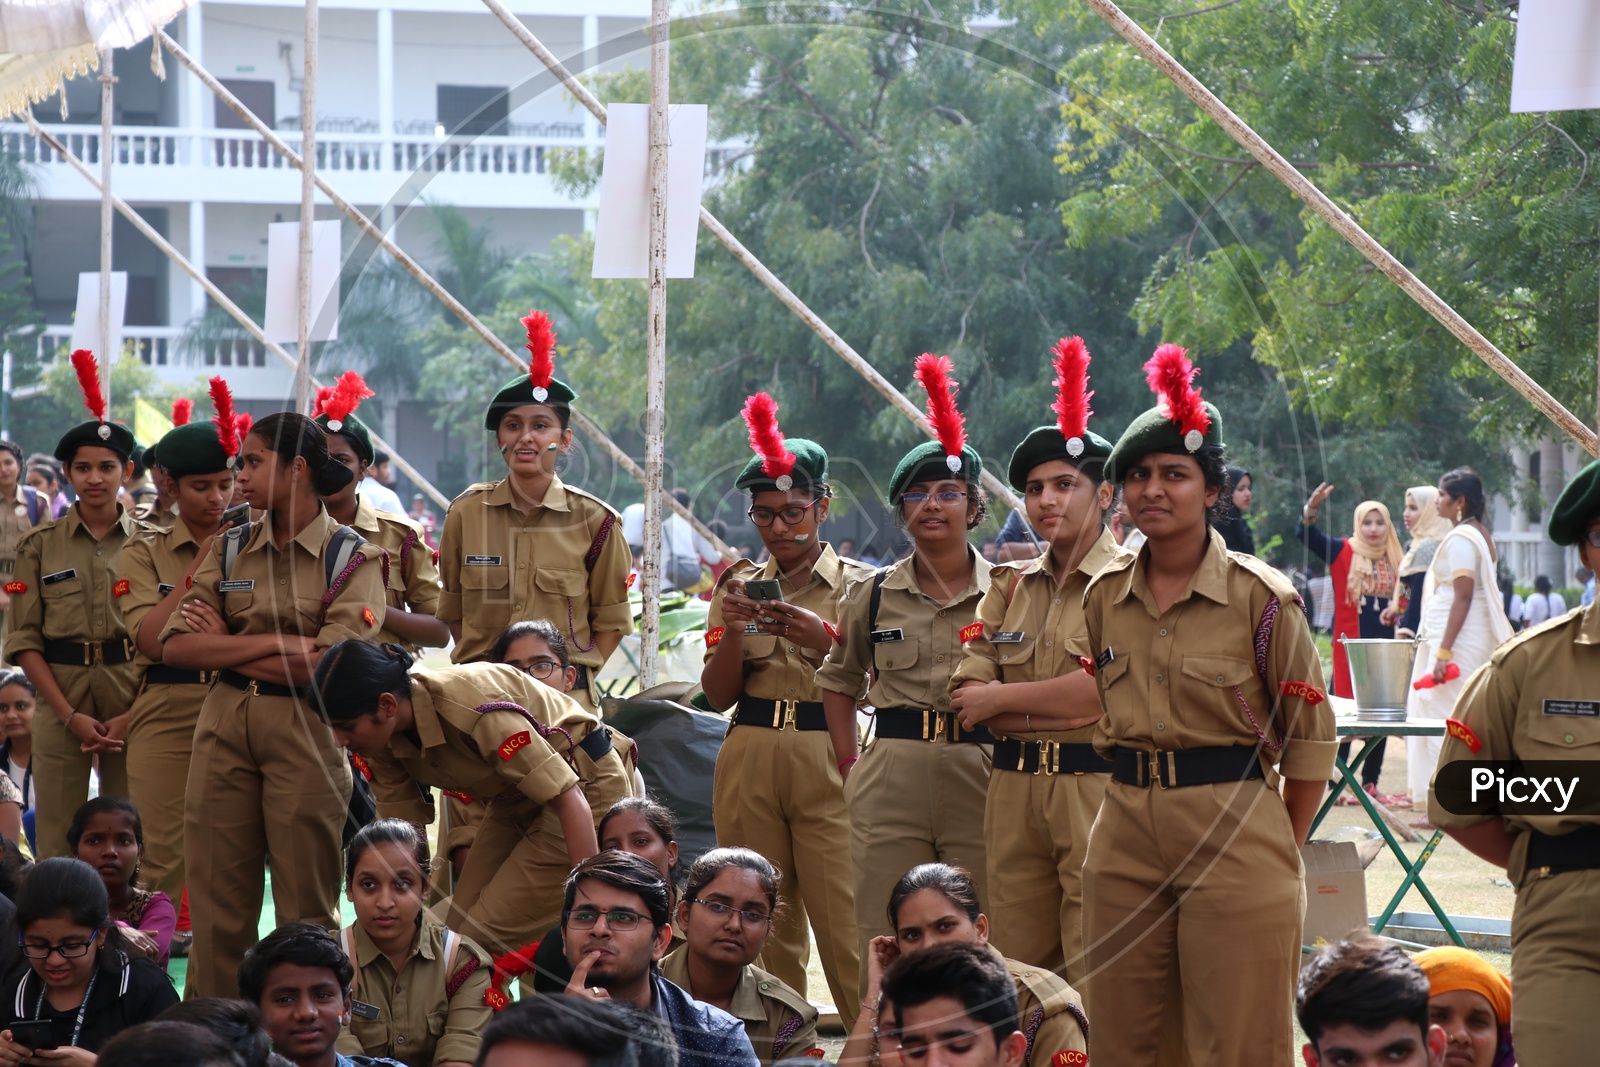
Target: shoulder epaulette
x,y
1270,576
1517,640
35,531
472,490
585,495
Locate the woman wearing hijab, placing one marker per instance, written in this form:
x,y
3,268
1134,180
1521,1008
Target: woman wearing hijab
x,y
1471,1001
1233,527
1427,528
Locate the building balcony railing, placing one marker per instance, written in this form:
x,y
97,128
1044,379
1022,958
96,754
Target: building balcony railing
x,y
158,347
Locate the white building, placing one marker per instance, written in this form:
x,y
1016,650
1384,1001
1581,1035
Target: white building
x,y
395,80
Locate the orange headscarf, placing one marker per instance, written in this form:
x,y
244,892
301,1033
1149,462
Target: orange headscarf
x,y
1450,969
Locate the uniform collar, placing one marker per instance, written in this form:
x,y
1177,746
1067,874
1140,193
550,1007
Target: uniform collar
x,y
1209,581
1103,551
1589,625
74,521
746,1003
178,533
422,945
903,575
828,569
366,520
311,538
425,717
555,497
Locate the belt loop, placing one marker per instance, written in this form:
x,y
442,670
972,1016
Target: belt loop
x,y
1170,778
1154,769
90,650
926,724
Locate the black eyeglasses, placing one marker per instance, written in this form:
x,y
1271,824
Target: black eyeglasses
x,y
722,911
542,668
72,950
791,515
948,496
616,918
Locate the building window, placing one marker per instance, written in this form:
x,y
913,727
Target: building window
x,y
473,110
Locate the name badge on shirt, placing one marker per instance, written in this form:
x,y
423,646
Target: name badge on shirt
x,y
751,630
163,588
59,576
484,561
880,637
238,585
1585,709
1008,637
1104,658
365,1010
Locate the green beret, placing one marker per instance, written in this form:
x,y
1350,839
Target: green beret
x,y
1045,444
1154,431
193,448
810,468
519,391
356,432
116,437
928,462
1576,507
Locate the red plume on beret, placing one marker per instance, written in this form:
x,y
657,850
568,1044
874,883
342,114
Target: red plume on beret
x,y
541,352
949,425
347,394
94,397
319,403
1170,374
1072,392
224,419
241,425
182,411
761,416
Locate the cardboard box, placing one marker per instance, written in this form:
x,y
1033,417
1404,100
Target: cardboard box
x,y
1336,891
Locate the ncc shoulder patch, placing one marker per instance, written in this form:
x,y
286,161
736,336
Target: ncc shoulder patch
x,y
463,797
633,576
120,587
369,618
971,632
495,999
515,742
1087,664
436,557
1070,1058
714,636
817,1054
359,762
1463,733
13,588
1304,690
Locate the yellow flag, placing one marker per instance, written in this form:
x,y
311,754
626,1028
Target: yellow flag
x,y
149,425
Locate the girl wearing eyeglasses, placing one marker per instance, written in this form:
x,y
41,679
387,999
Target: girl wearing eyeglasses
x,y
82,986
918,793
726,915
777,789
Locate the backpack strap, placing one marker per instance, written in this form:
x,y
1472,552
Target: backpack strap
x,y
340,562
347,938
873,603
233,542
35,502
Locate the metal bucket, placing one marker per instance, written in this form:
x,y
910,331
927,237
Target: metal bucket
x,y
1381,672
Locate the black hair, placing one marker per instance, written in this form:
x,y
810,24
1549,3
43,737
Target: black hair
x,y
167,1044
1541,584
290,435
63,887
104,805
379,458
970,974
681,495
627,872
602,1031
386,832
14,868
353,674
238,1022
16,452
658,815
300,943
1365,982
1464,485
951,882
48,465
20,677
543,629
704,871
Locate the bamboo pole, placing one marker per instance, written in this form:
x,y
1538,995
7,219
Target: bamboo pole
x,y
655,374
308,213
218,295
426,280
997,488
108,148
1344,225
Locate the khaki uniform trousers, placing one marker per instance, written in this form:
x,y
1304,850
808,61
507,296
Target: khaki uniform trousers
x,y
1555,956
160,744
1037,827
60,766
1204,880
778,792
913,802
266,781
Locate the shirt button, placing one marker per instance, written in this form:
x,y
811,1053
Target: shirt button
x,y
939,658
1058,600
1569,739
1163,631
522,566
791,648
1161,726
400,1040
283,581
1219,679
1049,644
791,692
941,613
1158,677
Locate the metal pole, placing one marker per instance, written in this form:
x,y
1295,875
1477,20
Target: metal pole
x,y
108,358
308,210
5,395
655,375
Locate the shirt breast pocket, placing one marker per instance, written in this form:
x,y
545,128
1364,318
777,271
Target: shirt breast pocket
x,y
486,585
759,646
560,582
1209,702
1560,736
1016,661
899,655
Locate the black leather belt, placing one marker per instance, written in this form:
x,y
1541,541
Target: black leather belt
x,y
925,724
780,714
264,689
597,744
1188,766
1559,853
88,653
161,674
1048,757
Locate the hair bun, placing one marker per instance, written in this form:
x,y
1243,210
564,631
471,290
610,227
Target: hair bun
x,y
401,653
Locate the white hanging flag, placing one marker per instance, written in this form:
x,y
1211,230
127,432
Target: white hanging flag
x,y
1557,62
281,323
622,233
86,319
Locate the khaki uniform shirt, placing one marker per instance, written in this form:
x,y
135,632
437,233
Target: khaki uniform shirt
x,y
1533,700
1188,678
780,1023
1049,1013
14,523
773,668
500,566
475,741
419,1023
413,574
67,586
273,591
154,563
915,645
1040,627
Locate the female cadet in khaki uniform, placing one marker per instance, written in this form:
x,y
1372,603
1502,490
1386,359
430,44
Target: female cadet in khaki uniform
x,y
726,916
1021,678
65,627
1211,692
413,575
917,794
777,789
267,777
544,763
22,507
1536,699
159,566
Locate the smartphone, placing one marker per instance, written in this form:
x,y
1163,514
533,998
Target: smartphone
x,y
35,1034
764,589
237,515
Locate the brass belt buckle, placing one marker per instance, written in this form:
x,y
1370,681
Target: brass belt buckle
x,y
1155,769
935,725
784,714
1049,757
251,690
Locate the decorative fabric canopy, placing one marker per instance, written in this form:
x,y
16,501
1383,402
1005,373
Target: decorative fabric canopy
x,y
45,42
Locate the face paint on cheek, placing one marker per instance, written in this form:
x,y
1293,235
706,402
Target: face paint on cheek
x,y
553,447
801,539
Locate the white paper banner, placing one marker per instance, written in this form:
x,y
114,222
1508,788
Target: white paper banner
x,y
86,319
622,233
1557,61
282,320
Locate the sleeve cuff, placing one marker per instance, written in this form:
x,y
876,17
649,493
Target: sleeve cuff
x,y
26,641
414,812
836,679
449,606
1309,761
548,780
612,618
458,837
973,669
332,633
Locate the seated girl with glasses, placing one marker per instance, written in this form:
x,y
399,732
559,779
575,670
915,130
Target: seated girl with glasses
x,y
726,916
536,648
81,987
